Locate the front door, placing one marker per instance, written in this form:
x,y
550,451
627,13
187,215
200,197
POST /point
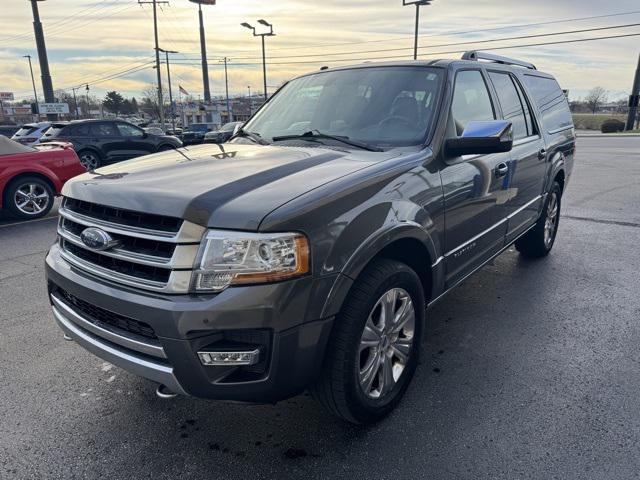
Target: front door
x,y
528,156
474,193
135,141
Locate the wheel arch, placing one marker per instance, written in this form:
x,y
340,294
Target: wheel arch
x,y
406,242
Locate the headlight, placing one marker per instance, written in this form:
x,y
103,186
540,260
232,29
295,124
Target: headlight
x,y
233,258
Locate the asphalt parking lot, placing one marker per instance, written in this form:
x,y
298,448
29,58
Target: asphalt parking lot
x,y
531,369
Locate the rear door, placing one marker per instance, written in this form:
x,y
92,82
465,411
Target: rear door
x,y
135,141
474,193
525,180
104,136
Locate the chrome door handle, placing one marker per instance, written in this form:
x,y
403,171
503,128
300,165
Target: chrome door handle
x,y
501,170
542,154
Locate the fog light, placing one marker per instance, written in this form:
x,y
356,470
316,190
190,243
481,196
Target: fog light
x,y
230,358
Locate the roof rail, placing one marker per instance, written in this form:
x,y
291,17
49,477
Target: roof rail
x,y
475,55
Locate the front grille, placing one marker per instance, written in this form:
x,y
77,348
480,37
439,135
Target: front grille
x,y
123,217
104,318
130,244
149,251
132,269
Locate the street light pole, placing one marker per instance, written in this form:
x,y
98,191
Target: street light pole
x,y
166,56
47,85
418,4
88,105
226,86
250,101
264,60
33,82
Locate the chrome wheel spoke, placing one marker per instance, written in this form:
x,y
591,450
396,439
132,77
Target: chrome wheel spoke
x,y
386,343
22,194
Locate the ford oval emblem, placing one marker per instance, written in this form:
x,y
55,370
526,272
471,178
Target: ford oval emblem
x,y
97,239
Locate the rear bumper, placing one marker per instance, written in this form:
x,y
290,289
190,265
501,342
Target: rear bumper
x,y
277,319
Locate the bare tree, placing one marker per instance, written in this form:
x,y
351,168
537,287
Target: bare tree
x,y
596,97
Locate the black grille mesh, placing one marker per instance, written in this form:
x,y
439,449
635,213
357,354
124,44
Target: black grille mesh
x,y
102,318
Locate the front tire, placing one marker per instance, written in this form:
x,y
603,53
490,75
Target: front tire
x,y
29,198
375,344
538,241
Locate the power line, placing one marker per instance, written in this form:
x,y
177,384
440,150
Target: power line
x,y
520,37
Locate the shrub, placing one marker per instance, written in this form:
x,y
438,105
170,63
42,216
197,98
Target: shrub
x,y
612,125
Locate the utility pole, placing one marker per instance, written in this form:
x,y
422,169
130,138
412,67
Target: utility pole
x,y
203,52
155,36
634,99
75,100
250,101
418,4
88,105
33,82
226,86
166,56
47,85
264,60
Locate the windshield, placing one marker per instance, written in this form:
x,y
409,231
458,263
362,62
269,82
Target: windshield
x,y
383,106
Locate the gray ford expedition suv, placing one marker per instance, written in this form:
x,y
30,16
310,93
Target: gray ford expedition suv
x,y
304,253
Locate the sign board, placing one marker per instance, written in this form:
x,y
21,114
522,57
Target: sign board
x,y
22,110
6,95
48,108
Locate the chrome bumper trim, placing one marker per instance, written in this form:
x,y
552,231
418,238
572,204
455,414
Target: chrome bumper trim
x,y
130,343
149,369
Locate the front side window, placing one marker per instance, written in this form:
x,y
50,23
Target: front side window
x,y
129,130
381,106
471,100
512,109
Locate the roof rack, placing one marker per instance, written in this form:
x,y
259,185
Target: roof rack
x,y
475,55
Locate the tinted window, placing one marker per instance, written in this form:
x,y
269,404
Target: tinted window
x,y
26,130
551,101
471,100
127,130
81,130
103,130
511,103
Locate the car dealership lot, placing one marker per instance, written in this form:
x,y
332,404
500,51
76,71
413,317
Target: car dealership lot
x,y
530,370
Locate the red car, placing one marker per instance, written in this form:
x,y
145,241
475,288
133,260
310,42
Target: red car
x,y
31,177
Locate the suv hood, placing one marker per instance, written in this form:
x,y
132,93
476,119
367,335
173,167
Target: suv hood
x,y
230,186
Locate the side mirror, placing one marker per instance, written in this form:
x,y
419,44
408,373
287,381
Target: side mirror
x,y
145,135
236,129
492,136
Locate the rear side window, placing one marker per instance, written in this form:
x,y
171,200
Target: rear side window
x,y
551,101
103,130
471,100
514,104
76,130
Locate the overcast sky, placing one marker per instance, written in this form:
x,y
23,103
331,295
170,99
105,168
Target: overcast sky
x,y
89,41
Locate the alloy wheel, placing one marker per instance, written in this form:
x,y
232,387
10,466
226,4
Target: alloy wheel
x,y
31,198
386,343
89,160
551,221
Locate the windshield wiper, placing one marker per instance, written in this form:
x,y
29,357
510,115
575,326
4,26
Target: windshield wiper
x,y
250,135
315,134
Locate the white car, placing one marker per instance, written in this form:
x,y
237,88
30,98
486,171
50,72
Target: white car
x,y
30,133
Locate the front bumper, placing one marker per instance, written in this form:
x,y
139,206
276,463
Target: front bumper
x,y
282,319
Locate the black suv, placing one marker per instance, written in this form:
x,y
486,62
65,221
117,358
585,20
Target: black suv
x,y
304,253
100,142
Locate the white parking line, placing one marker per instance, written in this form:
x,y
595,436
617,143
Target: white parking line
x,y
29,221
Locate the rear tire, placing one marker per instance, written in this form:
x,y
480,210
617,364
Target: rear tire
x,y
89,159
538,241
29,198
370,360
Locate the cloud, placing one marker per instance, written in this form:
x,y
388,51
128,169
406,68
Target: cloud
x,y
89,42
